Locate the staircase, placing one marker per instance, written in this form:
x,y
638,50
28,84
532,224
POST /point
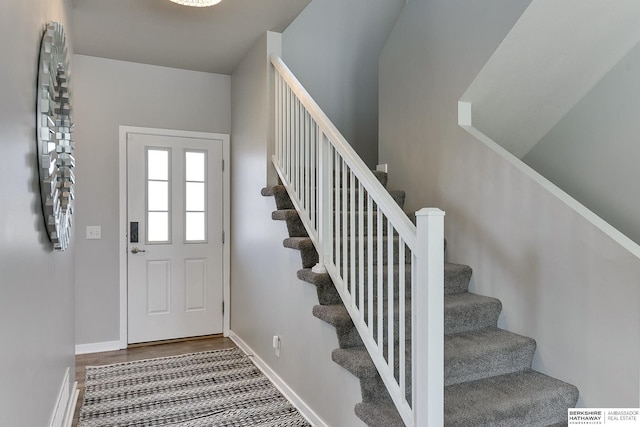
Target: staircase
x,y
487,371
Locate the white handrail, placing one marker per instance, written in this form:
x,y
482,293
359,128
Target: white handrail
x,y
362,172
370,248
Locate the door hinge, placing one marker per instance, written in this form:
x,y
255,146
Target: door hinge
x,y
222,307
223,237
222,165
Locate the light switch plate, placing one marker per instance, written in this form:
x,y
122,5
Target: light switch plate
x,y
94,232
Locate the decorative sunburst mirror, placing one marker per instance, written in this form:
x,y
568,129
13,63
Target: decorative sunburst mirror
x,y
55,145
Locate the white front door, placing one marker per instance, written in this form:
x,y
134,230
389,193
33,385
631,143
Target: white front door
x,y
175,237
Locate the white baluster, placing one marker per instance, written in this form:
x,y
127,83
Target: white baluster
x,y
324,216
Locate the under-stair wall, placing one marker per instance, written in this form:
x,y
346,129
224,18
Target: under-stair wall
x,y
267,298
559,277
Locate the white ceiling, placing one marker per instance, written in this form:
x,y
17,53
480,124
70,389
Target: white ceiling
x,y
159,32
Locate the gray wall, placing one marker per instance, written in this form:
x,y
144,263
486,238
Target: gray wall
x,y
592,153
266,297
108,94
561,279
36,284
332,47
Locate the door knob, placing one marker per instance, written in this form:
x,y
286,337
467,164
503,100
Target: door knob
x,y
135,250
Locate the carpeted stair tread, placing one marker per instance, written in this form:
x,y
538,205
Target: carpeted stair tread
x,y
308,253
284,214
279,193
298,243
327,293
480,354
269,191
526,398
379,414
336,315
465,312
355,360
295,228
309,276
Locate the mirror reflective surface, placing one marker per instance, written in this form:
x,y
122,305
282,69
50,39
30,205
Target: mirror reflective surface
x,y
55,145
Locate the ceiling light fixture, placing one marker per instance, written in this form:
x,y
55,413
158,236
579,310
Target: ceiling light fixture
x,y
197,3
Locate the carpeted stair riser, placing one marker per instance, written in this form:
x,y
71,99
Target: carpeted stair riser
x,y
466,312
279,192
308,253
526,398
456,278
348,337
327,293
295,228
481,354
378,414
357,361
373,389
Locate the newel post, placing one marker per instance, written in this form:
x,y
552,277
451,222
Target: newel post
x,y
428,320
324,201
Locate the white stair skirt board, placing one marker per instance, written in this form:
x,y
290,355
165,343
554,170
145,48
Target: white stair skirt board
x,y
65,406
98,347
287,392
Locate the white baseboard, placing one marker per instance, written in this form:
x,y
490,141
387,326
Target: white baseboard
x,y
291,395
97,347
65,405
71,407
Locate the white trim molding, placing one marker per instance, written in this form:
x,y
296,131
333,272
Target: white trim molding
x,y
465,121
97,347
65,406
122,160
282,386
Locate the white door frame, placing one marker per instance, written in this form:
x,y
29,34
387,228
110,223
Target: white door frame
x,y
122,233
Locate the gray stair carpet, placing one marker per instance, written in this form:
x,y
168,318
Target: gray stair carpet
x,y
487,370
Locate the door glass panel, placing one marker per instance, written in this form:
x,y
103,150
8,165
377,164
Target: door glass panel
x,y
195,196
158,195
195,227
158,227
158,164
195,162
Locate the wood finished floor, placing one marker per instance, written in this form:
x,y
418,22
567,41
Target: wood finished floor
x,y
142,352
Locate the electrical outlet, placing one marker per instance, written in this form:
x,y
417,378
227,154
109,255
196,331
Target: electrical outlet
x,y
276,345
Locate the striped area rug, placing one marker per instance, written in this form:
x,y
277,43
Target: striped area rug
x,y
213,388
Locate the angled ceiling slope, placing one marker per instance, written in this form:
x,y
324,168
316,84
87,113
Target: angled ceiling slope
x,y
160,32
552,57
